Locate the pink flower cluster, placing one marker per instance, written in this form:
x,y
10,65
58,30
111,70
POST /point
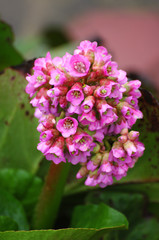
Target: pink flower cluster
x,y
83,102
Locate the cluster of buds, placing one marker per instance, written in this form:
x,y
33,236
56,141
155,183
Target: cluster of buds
x,y
112,160
83,102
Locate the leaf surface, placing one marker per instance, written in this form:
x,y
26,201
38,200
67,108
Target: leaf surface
x,y
11,207
8,54
98,216
7,224
19,137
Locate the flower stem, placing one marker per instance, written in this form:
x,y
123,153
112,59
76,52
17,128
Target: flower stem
x,y
51,195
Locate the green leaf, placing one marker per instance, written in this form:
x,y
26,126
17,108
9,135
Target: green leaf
x,y
121,201
8,55
149,190
20,181
153,208
98,216
72,233
23,183
11,207
147,229
24,186
7,224
31,197
19,136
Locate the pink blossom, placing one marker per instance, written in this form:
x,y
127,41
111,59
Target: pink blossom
x,y
86,48
110,69
105,180
91,166
140,149
67,126
88,104
103,91
57,91
118,151
133,88
73,109
42,63
99,134
70,145
57,61
80,157
78,66
87,118
46,135
75,95
90,181
44,146
82,141
132,101
107,113
57,147
101,57
57,77
88,90
35,81
106,167
54,158
83,102
117,91
121,77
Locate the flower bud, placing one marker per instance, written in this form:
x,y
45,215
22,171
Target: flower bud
x,y
96,149
130,147
82,172
105,157
96,159
133,135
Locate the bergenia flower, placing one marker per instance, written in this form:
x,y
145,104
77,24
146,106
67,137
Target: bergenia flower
x,y
57,77
78,66
67,126
82,141
75,95
86,108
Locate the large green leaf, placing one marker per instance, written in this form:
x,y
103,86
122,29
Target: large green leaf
x,y
11,207
31,196
8,55
24,186
97,216
149,190
93,232
15,181
19,136
121,201
61,234
147,229
7,224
